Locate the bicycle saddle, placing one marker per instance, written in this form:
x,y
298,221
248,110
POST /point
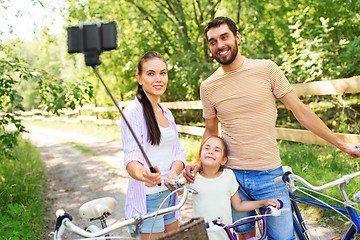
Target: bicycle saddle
x,y
97,208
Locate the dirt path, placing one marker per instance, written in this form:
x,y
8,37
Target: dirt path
x,y
74,178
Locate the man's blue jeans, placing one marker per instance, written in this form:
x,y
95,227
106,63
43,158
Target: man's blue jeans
x,y
260,185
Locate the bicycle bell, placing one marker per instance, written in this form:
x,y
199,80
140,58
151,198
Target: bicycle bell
x,y
357,197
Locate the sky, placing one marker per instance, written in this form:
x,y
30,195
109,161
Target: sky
x,y
26,17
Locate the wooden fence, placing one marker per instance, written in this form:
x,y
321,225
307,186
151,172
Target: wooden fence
x,y
332,87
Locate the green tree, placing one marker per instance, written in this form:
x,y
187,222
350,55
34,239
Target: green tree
x,y
53,92
174,28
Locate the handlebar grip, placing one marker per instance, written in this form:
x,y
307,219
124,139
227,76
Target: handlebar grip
x,y
278,180
284,178
61,214
152,170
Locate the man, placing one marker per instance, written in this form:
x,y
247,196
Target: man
x,y
241,94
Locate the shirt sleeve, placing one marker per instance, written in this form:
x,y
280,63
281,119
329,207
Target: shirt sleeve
x,y
235,184
209,112
131,149
279,83
179,151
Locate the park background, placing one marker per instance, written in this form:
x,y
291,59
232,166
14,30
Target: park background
x,y
311,41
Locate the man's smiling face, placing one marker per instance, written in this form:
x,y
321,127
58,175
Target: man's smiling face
x,y
223,44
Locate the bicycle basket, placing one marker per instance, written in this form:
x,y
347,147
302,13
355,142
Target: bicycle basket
x,y
192,230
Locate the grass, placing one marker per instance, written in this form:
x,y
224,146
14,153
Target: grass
x,y
316,164
105,131
22,199
319,165
81,148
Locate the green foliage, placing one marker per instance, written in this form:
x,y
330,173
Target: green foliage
x,y
311,41
174,28
323,35
316,40
54,93
191,144
340,114
22,201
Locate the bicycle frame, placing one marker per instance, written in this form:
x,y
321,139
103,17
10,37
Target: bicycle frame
x,y
64,221
300,227
261,218
347,210
269,211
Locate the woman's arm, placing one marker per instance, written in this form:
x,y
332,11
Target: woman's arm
x,y
141,173
175,170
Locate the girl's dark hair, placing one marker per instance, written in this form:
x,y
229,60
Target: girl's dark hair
x,y
216,22
151,123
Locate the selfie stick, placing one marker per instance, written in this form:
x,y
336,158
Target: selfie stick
x,y
92,39
152,169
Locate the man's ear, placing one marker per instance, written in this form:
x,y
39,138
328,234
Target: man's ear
x,y
238,38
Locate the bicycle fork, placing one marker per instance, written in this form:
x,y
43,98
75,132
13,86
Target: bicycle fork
x,y
299,225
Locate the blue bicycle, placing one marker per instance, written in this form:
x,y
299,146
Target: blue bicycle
x,y
348,211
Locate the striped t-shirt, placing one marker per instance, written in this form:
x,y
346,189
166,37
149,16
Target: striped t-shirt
x,y
244,101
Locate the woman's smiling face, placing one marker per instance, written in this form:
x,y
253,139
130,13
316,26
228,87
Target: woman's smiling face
x,y
154,77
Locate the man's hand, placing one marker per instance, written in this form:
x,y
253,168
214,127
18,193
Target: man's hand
x,y
352,150
190,172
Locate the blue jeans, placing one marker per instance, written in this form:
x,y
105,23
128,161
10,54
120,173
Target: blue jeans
x,y
153,202
260,185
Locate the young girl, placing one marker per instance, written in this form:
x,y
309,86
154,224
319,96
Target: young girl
x,y
217,187
155,128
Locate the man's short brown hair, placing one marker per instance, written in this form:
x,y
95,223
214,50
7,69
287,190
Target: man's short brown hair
x,y
216,22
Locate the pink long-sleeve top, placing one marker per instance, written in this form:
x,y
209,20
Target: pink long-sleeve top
x,y
136,196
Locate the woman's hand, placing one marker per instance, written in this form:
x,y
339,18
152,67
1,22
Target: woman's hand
x,y
171,176
151,179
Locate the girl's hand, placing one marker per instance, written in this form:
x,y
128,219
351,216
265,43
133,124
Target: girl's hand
x,y
151,179
273,202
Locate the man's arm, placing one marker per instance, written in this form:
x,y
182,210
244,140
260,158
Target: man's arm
x,y
313,123
211,128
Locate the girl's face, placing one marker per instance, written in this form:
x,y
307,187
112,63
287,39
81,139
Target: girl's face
x,y
212,153
154,77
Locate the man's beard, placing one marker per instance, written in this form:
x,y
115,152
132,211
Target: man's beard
x,y
233,55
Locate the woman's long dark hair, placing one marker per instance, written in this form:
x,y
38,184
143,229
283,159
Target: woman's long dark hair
x,y
151,123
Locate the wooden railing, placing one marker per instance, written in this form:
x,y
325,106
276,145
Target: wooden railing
x,y
332,87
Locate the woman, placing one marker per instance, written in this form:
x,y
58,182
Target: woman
x,y
155,128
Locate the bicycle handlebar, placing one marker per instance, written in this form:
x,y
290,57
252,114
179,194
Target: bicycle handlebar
x,y
290,177
64,220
